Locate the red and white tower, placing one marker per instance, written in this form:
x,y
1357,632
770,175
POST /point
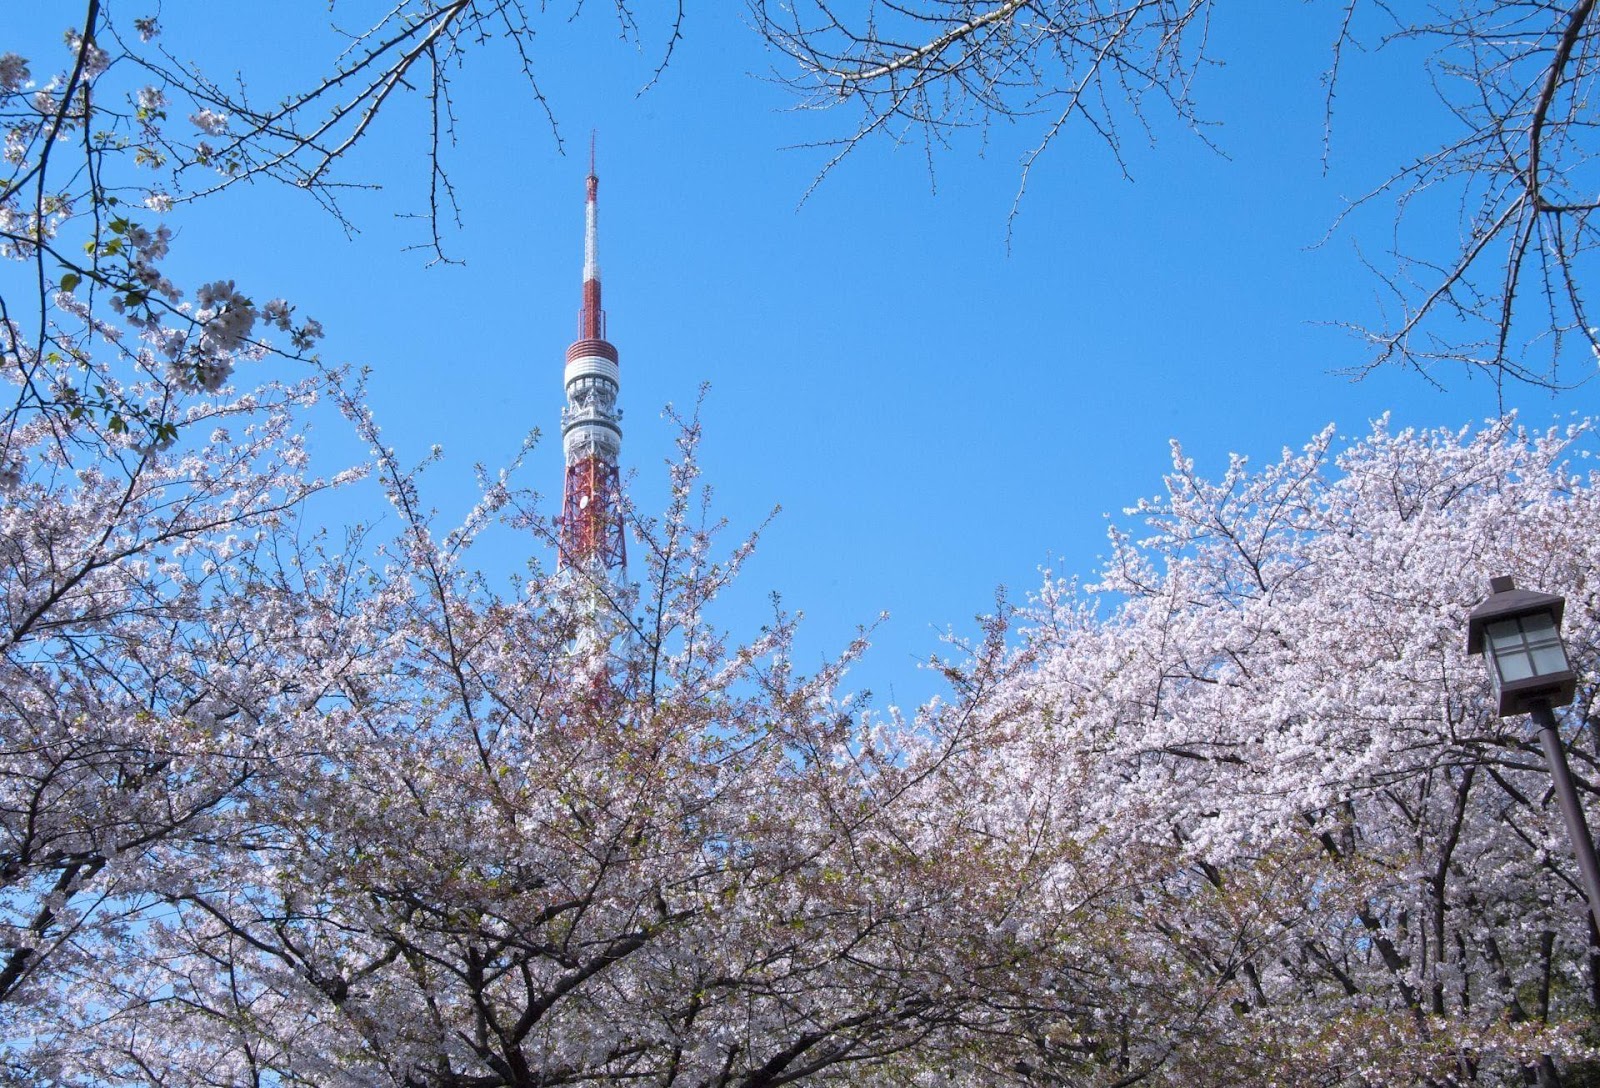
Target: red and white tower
x,y
591,429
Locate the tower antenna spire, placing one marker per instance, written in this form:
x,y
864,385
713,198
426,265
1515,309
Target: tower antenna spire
x,y
591,318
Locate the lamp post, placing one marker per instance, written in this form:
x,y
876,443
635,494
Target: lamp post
x,y
1519,632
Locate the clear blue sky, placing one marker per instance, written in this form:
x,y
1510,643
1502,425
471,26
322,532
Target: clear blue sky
x,y
936,414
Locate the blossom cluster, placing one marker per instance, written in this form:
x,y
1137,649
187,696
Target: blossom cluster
x,y
119,275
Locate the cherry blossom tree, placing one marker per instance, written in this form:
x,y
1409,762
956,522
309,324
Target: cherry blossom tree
x,y
473,858
157,625
148,574
1343,868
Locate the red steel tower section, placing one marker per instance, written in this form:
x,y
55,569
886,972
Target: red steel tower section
x,y
591,428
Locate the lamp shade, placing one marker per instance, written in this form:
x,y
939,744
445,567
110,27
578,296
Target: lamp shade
x,y
1519,632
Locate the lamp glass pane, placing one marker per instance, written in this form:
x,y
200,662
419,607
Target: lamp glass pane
x,y
1504,634
1548,658
1540,625
1513,664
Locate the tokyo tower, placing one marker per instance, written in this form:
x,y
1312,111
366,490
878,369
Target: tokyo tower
x,y
591,538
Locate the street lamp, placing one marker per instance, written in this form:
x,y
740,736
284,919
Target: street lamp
x,y
1519,632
